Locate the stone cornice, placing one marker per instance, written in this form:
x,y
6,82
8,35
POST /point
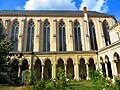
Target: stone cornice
x,y
51,15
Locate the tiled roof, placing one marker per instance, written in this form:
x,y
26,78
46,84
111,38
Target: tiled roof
x,y
52,12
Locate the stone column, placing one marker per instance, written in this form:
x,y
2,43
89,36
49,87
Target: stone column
x,y
87,39
41,36
114,68
87,70
54,71
65,65
42,71
102,39
96,65
71,36
19,70
36,48
53,47
76,72
106,68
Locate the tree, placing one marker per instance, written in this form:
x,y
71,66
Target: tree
x,y
5,48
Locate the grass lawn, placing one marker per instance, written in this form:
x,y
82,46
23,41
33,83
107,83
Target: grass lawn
x,y
73,85
6,88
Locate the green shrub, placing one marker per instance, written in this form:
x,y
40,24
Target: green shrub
x,y
60,81
3,78
40,85
33,78
50,86
117,82
27,75
95,76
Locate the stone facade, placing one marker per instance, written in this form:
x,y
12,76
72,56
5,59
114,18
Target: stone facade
x,y
103,53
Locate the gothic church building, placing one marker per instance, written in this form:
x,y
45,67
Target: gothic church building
x,y
73,40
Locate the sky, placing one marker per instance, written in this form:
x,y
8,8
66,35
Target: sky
x,y
111,7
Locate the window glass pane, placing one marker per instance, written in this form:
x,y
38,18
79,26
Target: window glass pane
x,y
30,37
64,38
93,41
48,42
106,33
28,40
44,39
91,38
14,34
76,39
79,39
60,39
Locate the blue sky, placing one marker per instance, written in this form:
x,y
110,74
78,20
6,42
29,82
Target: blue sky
x,y
105,6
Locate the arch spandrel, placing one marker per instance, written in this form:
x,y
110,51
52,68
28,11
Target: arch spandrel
x,y
47,59
22,59
59,59
35,59
74,62
13,58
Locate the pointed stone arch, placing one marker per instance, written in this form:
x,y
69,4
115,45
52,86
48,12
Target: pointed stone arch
x,y
48,69
91,64
108,66
38,68
106,27
117,61
60,63
103,66
14,68
82,69
24,66
70,68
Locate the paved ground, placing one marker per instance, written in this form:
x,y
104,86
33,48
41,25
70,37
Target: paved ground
x,y
20,88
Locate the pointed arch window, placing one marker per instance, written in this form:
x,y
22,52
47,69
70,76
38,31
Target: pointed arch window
x,y
46,36
106,33
77,37
30,36
62,36
14,34
1,27
93,40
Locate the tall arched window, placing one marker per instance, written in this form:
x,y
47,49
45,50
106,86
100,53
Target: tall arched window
x,y
14,34
30,36
77,37
46,36
62,36
106,33
1,27
93,41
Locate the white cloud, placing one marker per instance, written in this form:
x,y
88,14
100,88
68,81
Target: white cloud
x,y
50,5
19,8
95,5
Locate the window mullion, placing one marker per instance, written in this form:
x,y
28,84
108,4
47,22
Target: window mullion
x,y
93,38
62,39
78,39
46,38
30,38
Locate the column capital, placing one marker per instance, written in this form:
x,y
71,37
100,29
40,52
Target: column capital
x,y
43,65
95,63
87,63
115,60
106,61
